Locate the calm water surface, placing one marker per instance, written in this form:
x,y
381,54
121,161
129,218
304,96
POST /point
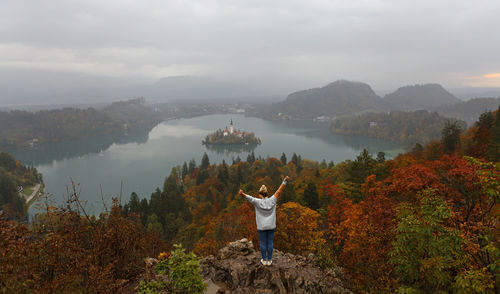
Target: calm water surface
x,y
140,162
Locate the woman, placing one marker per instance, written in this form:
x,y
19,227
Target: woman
x,y
265,215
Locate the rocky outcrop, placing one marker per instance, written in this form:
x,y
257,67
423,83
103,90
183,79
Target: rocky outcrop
x,y
237,269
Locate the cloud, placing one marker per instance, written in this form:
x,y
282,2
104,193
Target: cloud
x,y
384,42
484,80
492,75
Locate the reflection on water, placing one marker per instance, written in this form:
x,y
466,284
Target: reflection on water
x,y
321,130
47,153
231,149
176,131
355,142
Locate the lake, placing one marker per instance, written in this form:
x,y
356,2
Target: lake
x,y
141,161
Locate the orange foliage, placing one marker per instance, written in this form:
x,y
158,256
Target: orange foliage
x,y
233,225
363,234
298,229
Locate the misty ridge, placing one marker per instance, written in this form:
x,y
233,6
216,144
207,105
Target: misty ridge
x,y
37,87
21,88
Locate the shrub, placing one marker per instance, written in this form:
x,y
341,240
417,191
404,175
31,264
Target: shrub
x,y
184,270
151,287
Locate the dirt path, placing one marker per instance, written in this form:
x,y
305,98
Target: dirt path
x,y
35,191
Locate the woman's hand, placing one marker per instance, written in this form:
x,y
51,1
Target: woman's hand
x,y
287,178
241,193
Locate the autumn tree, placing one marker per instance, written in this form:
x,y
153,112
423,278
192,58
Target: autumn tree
x,y
481,135
299,231
66,251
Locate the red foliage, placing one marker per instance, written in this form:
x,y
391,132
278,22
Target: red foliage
x,y
65,252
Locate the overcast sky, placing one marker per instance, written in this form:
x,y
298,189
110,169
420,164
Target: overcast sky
x,y
384,43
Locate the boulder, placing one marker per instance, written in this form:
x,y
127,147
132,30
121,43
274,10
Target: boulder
x,y
237,269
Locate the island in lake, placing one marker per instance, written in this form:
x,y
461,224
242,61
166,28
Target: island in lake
x,y
231,137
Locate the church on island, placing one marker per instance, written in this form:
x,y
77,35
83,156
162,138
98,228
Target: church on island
x,y
231,137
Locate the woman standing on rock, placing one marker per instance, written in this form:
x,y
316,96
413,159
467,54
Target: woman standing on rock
x,y
265,214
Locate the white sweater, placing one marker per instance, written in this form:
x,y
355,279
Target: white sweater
x,y
265,212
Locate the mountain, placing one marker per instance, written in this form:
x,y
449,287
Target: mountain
x,y
419,97
337,98
469,110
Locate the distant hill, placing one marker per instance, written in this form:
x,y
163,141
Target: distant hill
x,y
406,127
337,98
22,128
475,92
419,97
469,110
344,98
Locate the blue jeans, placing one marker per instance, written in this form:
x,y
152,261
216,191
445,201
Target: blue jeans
x,y
266,243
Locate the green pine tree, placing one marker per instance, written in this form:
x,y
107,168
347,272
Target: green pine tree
x,y
311,197
283,158
451,137
205,162
494,143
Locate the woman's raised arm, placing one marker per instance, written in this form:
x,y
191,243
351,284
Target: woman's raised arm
x,y
281,188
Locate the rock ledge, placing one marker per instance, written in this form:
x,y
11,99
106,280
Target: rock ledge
x,y
237,269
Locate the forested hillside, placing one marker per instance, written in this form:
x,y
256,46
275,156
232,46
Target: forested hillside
x,y
13,175
424,96
337,98
424,222
403,127
22,128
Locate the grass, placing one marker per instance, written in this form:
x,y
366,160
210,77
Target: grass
x,y
28,191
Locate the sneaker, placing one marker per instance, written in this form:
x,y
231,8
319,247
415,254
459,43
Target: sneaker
x,y
263,262
269,262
